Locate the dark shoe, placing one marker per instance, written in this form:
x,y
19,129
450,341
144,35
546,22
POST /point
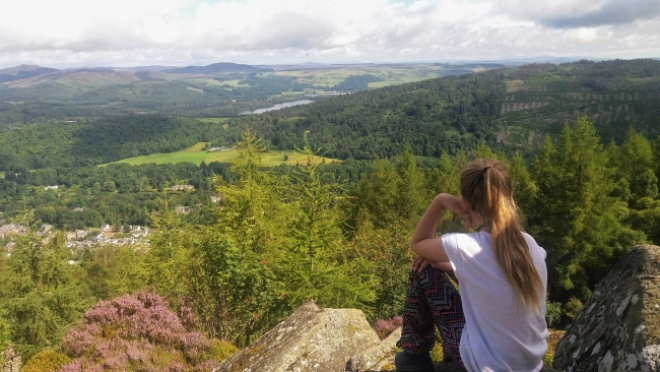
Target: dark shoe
x,y
407,362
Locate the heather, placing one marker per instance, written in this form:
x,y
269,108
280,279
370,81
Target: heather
x,y
384,327
138,332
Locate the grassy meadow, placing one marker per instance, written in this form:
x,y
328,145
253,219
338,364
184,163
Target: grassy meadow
x,y
195,154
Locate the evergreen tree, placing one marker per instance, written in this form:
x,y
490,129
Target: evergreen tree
x,y
636,164
575,217
445,178
378,194
656,156
411,196
524,188
484,152
319,265
41,293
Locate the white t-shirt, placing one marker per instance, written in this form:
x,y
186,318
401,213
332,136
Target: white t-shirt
x,y
495,338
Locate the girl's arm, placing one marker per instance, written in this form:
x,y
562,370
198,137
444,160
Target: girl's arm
x,y
423,241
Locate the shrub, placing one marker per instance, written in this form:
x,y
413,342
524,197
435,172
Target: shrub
x,y
47,360
553,313
138,332
572,308
383,328
553,340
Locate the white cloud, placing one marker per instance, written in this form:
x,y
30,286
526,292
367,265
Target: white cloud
x,y
95,32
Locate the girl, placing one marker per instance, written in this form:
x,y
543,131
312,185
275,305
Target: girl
x,y
497,322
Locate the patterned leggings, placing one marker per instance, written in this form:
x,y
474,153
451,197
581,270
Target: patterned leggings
x,y
432,300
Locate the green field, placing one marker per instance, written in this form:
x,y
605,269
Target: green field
x,y
196,155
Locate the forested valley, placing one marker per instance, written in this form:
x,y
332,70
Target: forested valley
x,y
246,244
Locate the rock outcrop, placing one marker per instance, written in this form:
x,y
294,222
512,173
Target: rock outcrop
x,y
311,339
377,357
11,361
619,327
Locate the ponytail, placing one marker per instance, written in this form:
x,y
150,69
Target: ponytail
x,y
486,186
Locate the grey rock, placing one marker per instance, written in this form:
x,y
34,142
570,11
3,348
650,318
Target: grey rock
x,y
11,361
376,357
311,339
619,327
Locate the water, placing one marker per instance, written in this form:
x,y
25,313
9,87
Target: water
x,y
279,106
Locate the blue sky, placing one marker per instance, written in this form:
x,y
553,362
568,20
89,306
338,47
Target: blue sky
x,y
69,33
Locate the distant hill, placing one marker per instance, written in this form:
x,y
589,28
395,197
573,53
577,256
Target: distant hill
x,y
509,108
22,72
215,69
78,78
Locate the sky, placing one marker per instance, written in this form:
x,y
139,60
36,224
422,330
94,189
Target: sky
x,y
70,33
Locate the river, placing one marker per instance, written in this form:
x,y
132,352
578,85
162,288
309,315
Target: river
x,y
279,106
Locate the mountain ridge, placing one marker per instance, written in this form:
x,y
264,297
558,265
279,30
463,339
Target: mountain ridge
x,y
23,72
215,68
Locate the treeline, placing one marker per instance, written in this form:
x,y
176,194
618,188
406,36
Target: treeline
x,y
96,142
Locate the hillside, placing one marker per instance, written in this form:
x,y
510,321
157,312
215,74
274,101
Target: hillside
x,y
79,78
506,107
22,72
215,68
90,143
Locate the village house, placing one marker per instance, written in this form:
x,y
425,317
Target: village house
x,y
55,187
11,229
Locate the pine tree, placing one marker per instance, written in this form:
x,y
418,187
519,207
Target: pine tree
x,y
41,294
524,188
484,152
319,265
656,156
575,218
636,164
379,194
445,178
411,196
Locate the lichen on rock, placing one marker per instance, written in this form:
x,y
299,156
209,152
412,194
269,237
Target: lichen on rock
x,y
311,339
619,327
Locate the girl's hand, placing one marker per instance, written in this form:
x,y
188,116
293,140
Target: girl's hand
x,y
420,264
456,205
444,266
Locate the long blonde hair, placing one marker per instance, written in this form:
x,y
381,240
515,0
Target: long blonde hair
x,y
486,186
